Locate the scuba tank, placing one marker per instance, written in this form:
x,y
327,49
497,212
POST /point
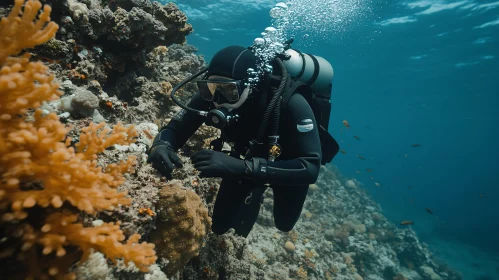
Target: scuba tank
x,y
309,69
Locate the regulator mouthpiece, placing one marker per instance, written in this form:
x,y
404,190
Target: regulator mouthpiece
x,y
220,117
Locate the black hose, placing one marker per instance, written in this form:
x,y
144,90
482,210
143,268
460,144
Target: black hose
x,y
181,84
273,102
277,110
275,119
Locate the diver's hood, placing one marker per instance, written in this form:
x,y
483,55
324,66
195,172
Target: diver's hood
x,y
233,62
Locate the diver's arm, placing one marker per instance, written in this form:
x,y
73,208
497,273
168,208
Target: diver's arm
x,y
183,124
304,149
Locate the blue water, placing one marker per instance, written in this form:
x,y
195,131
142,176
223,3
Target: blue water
x,y
431,78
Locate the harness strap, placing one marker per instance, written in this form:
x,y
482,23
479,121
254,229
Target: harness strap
x,y
293,87
316,69
304,64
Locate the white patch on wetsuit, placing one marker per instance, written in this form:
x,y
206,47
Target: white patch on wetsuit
x,y
305,125
180,115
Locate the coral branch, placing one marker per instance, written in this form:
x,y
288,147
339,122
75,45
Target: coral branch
x,y
105,238
92,143
25,32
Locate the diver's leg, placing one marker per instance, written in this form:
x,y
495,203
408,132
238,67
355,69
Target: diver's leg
x,y
229,198
248,211
288,204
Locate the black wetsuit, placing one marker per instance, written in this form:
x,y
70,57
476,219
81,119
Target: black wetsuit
x,y
289,175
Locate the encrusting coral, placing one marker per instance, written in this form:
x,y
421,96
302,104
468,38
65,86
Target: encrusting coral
x,y
45,183
181,226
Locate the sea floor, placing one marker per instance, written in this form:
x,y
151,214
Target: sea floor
x,y
473,263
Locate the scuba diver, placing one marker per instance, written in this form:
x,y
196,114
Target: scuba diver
x,y
274,135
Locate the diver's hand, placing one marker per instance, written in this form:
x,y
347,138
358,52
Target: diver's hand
x,y
217,164
163,158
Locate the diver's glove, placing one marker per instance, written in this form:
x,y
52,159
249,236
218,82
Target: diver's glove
x,y
163,158
217,164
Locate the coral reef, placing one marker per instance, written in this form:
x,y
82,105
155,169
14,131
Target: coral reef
x,y
45,182
129,23
122,52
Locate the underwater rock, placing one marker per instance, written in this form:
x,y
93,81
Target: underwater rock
x,y
155,273
64,116
329,235
79,11
81,104
409,250
356,276
355,224
95,268
289,246
147,131
132,24
313,187
54,51
429,273
351,184
97,117
46,107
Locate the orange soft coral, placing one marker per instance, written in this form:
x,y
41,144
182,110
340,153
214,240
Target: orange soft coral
x,y
22,30
61,230
36,154
44,182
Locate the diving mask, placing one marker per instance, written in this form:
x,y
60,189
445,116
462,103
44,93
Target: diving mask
x,y
230,90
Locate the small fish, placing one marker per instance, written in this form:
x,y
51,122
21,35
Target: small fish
x,y
346,124
406,156
377,184
372,178
369,170
429,211
481,195
416,145
358,171
361,157
410,187
411,201
356,137
406,223
343,152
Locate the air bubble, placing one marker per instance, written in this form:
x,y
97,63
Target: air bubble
x,y
259,41
279,10
307,21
